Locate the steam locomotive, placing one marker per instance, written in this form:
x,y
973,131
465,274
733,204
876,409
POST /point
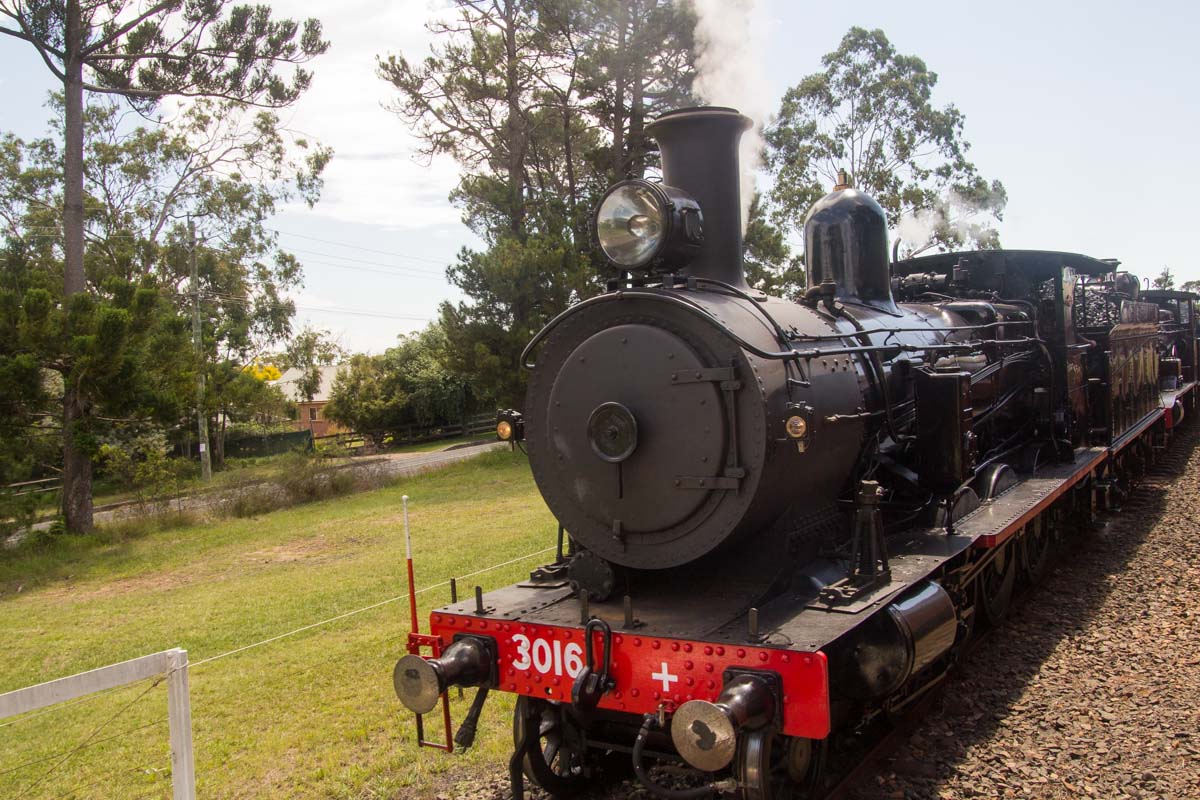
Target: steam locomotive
x,y
780,520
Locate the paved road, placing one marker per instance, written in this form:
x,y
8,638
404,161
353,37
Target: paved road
x,y
405,464
392,465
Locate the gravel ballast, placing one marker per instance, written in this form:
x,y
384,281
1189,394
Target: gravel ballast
x,y
1091,688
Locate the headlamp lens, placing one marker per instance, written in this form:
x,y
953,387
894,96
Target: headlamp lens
x,y
629,224
642,227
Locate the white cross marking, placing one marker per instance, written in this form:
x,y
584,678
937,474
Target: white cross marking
x,y
665,676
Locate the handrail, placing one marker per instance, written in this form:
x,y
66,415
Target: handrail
x,y
788,355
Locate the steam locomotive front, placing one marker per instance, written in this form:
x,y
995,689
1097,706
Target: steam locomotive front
x,y
697,440
662,420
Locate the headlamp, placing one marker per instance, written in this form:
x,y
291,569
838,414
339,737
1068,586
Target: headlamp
x,y
641,224
510,425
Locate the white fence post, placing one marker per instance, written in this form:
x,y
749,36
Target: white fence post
x,y
173,663
179,717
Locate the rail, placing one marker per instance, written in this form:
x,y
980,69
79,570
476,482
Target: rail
x,y
39,486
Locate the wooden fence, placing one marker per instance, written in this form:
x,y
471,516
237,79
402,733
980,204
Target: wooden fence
x,y
35,487
170,665
475,425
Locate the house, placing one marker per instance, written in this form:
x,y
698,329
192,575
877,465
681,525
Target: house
x,y
311,412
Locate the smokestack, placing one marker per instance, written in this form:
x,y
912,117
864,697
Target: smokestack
x,y
700,156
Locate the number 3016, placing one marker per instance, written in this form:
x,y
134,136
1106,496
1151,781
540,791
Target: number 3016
x,y
547,657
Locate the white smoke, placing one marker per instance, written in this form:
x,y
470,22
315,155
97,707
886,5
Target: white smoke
x,y
956,214
917,229
730,37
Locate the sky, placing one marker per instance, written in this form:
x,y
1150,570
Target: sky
x,y
1088,117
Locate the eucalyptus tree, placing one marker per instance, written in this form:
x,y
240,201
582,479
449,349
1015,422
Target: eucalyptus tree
x,y
871,112
308,351
144,52
767,257
406,386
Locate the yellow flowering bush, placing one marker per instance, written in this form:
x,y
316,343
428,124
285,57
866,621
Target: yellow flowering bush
x,y
263,372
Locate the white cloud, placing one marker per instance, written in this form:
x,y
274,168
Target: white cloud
x,y
373,177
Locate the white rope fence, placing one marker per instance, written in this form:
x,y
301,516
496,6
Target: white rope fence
x,y
171,666
347,614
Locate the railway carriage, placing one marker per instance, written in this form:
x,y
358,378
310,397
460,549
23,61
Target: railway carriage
x,y
781,522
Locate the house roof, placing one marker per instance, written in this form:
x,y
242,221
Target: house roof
x,y
287,382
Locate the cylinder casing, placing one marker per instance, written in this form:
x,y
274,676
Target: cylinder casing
x,y
876,658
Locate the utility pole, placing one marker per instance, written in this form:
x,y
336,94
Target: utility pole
x,y
198,343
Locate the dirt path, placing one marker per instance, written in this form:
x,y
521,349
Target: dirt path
x,y
393,465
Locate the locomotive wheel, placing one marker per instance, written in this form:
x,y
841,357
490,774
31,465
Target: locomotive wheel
x,y
1036,546
1032,457
771,766
996,585
556,765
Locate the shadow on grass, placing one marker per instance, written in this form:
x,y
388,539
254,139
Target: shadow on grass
x,y
44,557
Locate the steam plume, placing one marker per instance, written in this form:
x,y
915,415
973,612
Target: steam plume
x,y
917,228
956,215
729,42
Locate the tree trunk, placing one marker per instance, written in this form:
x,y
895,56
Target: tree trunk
x,y
77,464
620,77
637,110
515,122
579,225
77,467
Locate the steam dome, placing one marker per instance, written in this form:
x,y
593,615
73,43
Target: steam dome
x,y
846,241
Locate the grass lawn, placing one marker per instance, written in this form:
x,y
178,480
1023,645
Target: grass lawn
x,y
312,715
